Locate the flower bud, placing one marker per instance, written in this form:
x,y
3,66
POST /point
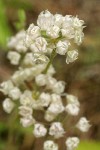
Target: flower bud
x,y
62,47
8,105
71,56
50,145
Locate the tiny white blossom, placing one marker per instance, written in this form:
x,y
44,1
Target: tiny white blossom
x,y
15,93
8,105
58,20
56,130
45,99
67,27
49,116
6,86
62,47
72,109
39,45
16,42
33,31
83,124
56,107
77,23
28,59
39,130
27,121
53,31
25,111
50,145
72,143
14,57
79,36
51,82
71,99
56,98
28,41
40,58
45,20
71,56
26,98
59,87
40,80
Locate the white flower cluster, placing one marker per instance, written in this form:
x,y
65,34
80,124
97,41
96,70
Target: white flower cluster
x,y
32,88
51,32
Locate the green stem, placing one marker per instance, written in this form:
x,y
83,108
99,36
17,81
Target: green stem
x,y
53,54
11,126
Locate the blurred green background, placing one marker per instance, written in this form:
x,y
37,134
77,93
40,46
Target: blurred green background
x,y
82,77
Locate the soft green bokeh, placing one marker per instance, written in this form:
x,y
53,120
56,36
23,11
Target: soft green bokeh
x,y
89,145
5,31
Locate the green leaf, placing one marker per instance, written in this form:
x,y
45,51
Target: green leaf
x,y
20,24
5,31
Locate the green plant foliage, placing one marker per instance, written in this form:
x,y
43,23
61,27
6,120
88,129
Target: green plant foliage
x,y
5,31
20,24
89,145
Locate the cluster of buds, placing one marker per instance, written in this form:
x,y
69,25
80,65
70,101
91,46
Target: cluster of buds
x,y
32,89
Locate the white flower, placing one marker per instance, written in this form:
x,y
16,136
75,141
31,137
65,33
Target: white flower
x,y
45,99
56,98
59,87
67,21
8,105
28,41
14,57
58,20
25,111
79,36
39,130
6,86
77,23
83,124
50,145
56,130
18,77
39,45
26,98
15,93
16,42
53,31
56,107
27,121
40,58
72,143
49,116
67,27
36,105
50,82
45,20
28,59
33,31
71,56
72,109
71,99
20,47
40,80
62,47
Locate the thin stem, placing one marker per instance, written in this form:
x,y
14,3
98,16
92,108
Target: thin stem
x,y
11,122
53,54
